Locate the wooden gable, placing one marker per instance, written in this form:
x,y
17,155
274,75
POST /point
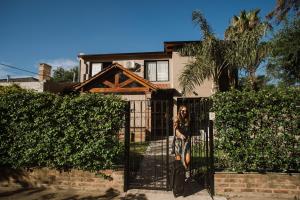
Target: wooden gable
x,y
116,79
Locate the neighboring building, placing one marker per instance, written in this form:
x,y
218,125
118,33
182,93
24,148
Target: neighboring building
x,y
42,84
39,85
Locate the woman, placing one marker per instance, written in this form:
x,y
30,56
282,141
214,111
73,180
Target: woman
x,y
182,137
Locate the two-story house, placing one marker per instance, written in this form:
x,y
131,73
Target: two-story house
x,y
142,76
139,74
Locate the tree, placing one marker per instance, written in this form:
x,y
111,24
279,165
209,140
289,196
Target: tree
x,y
209,56
62,75
283,8
246,48
284,62
246,21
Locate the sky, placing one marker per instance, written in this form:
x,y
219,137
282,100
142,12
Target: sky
x,y
56,31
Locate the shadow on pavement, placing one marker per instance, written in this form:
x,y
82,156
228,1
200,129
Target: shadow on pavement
x,y
58,194
134,197
109,194
192,187
21,190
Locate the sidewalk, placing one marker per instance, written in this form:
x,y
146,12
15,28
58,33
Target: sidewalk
x,y
71,194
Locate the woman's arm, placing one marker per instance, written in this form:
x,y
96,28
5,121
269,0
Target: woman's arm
x,y
179,134
177,131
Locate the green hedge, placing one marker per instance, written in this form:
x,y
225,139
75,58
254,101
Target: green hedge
x,y
258,131
42,129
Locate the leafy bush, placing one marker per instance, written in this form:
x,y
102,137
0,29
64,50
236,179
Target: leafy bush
x,y
258,130
41,129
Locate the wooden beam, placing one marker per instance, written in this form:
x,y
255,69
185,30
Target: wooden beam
x,y
117,80
109,84
128,81
130,76
115,90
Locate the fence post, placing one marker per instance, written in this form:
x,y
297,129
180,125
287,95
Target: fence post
x,y
127,146
212,170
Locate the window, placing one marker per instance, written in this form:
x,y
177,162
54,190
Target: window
x,y
157,70
96,67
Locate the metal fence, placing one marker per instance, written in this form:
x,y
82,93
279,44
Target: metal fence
x,y
148,139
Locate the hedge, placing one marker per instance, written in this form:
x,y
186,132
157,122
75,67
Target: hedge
x,y
258,131
42,129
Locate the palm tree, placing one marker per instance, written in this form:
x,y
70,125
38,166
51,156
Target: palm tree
x,y
246,21
246,49
209,57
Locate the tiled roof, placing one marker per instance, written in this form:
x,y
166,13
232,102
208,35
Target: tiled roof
x,y
162,85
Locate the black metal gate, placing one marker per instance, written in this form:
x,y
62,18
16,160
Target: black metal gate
x,y
148,139
147,144
201,127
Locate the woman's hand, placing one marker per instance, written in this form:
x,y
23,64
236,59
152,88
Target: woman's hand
x,y
182,137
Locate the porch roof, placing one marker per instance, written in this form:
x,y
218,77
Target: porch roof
x,y
114,72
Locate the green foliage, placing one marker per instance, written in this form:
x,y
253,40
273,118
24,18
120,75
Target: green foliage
x,y
63,75
246,49
209,56
284,62
41,129
258,130
284,9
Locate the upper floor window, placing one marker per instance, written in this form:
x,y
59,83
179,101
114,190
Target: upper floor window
x,y
96,67
157,70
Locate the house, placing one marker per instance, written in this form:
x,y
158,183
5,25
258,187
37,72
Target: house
x,y
140,77
162,69
41,84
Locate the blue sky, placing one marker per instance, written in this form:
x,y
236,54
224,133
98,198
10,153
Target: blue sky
x,y
56,31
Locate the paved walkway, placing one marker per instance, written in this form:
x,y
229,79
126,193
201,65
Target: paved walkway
x,y
152,173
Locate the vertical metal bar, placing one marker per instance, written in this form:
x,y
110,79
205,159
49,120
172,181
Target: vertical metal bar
x,y
141,121
203,166
127,146
162,138
212,170
202,136
155,130
206,142
134,162
167,145
140,145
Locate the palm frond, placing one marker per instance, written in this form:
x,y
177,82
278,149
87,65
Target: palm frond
x,y
190,49
199,19
194,74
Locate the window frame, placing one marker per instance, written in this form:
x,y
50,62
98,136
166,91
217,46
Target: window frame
x,y
145,70
91,68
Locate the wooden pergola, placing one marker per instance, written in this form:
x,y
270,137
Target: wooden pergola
x,y
116,79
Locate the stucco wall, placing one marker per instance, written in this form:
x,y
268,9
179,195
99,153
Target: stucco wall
x,y
178,62
37,86
42,86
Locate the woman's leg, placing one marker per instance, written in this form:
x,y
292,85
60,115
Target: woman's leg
x,y
177,157
187,159
178,149
187,155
